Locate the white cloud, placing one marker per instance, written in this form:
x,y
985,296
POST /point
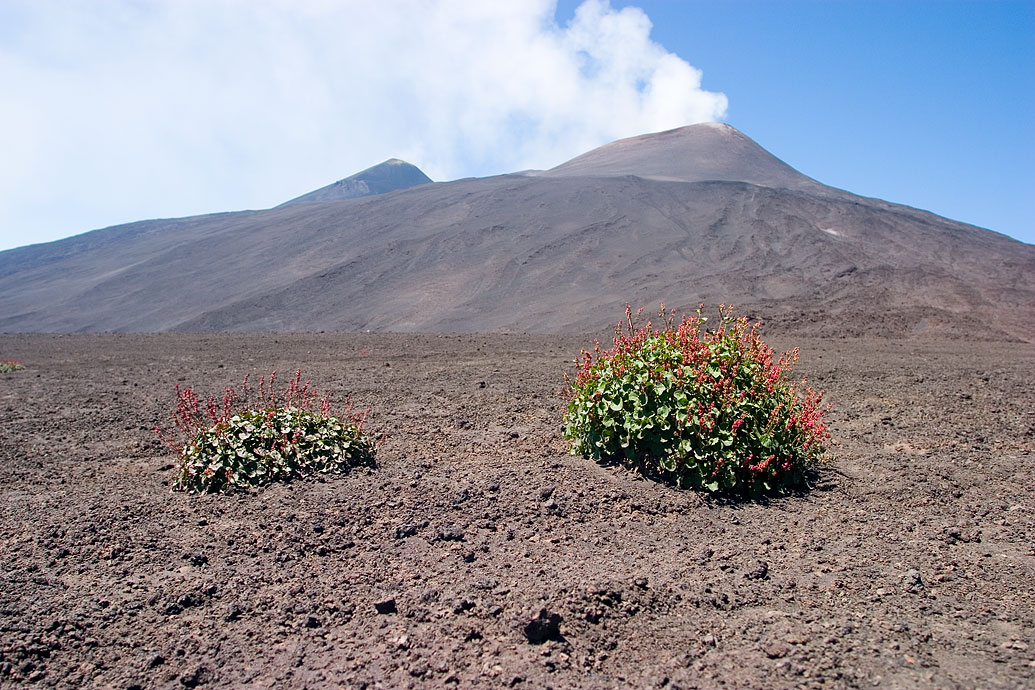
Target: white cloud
x,y
119,110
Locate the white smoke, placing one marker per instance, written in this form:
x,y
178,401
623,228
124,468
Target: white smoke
x,y
119,110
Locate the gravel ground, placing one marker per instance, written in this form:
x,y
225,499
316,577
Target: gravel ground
x,y
478,553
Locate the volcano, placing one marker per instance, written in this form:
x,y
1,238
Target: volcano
x,y
699,214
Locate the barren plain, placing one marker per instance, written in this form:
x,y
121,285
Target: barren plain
x,y
478,553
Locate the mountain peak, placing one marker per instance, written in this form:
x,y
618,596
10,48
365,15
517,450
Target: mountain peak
x,y
695,153
389,176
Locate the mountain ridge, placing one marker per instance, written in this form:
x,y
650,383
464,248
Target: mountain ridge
x,y
562,250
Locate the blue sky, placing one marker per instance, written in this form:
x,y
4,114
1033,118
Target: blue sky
x,y
117,111
926,103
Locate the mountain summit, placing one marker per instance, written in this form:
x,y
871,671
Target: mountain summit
x,y
697,153
700,214
390,176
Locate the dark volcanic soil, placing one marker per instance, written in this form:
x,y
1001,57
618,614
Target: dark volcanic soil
x,y
910,564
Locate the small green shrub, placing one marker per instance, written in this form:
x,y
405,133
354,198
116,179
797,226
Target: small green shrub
x,y
252,440
7,365
708,409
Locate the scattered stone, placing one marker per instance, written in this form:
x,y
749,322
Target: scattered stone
x,y
196,558
545,626
776,650
408,530
912,582
957,535
312,622
233,613
640,582
385,606
199,676
451,533
463,606
546,492
758,571
796,637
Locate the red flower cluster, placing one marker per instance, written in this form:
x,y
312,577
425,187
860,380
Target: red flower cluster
x,y
191,416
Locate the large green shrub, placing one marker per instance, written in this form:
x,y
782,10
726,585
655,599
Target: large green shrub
x,y
251,440
709,409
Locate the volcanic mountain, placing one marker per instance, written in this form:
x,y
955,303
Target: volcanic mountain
x,y
696,214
